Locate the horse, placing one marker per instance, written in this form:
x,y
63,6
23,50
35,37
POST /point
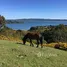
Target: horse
x,y
36,36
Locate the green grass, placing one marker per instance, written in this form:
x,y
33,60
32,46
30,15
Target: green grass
x,y
17,55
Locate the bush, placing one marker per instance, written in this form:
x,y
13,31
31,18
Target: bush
x,y
56,34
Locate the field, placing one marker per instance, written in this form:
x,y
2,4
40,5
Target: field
x,y
19,55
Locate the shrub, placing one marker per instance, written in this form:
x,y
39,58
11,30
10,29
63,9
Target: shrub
x,y
56,34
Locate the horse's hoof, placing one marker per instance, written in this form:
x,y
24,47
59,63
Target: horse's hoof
x,y
32,45
36,46
41,46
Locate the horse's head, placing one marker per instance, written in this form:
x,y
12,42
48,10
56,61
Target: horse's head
x,y
24,40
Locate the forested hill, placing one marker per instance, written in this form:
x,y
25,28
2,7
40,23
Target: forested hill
x,y
14,21
32,20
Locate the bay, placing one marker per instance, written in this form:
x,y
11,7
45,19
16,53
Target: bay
x,y
28,25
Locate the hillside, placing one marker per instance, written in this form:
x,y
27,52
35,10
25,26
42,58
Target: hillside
x,y
14,21
12,35
17,55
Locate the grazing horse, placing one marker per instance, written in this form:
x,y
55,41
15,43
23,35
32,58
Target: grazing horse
x,y
31,36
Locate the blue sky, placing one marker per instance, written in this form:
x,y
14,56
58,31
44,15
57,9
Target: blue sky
x,y
48,9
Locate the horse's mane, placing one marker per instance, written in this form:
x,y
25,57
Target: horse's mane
x,y
33,32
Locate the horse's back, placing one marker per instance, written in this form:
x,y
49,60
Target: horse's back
x,y
33,35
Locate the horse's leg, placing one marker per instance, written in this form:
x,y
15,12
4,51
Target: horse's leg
x,y
37,42
31,43
41,45
41,42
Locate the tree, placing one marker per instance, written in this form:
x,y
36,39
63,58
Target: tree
x,y
2,22
56,34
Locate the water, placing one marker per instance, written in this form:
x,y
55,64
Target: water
x,y
28,25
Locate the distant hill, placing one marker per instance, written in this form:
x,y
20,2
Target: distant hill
x,y
14,21
32,20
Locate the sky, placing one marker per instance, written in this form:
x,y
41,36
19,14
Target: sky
x,y
46,9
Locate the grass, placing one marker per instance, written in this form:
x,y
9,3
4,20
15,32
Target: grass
x,y
19,55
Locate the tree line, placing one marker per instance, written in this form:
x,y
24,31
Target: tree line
x,y
56,34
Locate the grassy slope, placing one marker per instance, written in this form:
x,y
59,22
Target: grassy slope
x,y
17,55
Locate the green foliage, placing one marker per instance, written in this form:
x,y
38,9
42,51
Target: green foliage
x,y
38,28
56,34
10,33
2,22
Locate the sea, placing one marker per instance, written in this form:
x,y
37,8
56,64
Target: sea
x,y
28,25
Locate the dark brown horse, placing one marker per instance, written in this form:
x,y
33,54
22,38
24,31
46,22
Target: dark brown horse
x,y
31,36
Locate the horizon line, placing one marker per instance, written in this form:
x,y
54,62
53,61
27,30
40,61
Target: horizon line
x,y
38,18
